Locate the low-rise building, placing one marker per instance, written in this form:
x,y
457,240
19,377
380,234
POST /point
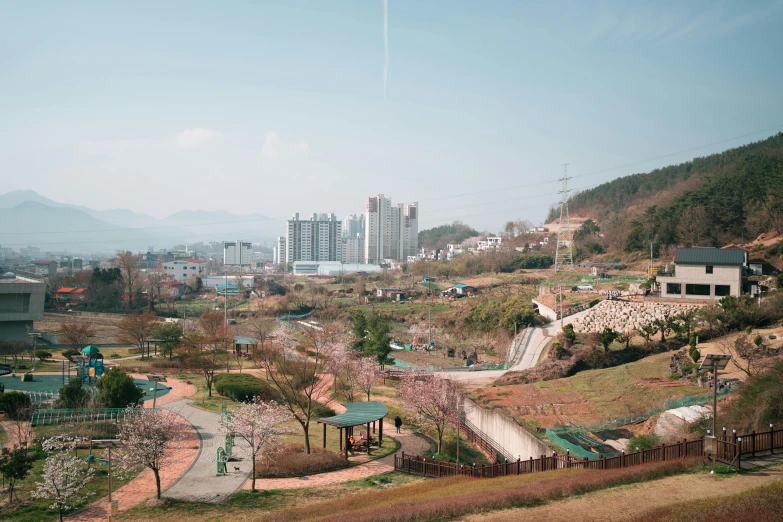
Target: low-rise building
x,y
704,274
183,270
21,303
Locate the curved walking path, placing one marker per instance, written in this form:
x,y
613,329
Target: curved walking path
x,y
409,443
200,482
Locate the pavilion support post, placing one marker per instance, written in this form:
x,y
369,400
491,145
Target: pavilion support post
x,y
368,438
380,432
341,438
324,435
373,426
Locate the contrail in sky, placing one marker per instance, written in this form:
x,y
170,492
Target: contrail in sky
x,y
385,44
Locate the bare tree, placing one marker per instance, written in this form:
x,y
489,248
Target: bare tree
x,y
154,283
130,270
136,329
746,355
204,356
76,335
296,375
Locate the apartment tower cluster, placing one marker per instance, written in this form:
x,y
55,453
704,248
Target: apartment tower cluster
x,y
385,232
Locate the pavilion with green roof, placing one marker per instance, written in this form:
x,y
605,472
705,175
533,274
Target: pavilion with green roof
x,y
357,414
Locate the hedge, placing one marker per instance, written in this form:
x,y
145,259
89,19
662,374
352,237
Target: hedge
x,y
242,387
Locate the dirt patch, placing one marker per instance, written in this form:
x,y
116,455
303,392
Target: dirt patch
x,y
105,325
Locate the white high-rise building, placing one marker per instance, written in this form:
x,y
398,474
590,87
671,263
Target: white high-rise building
x,y
353,249
278,256
391,232
316,239
353,225
237,253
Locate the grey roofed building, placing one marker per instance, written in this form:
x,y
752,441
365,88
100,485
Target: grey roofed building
x,y
709,256
21,303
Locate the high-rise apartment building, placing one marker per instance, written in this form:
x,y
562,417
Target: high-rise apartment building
x,y
278,252
353,225
353,249
391,232
237,253
316,239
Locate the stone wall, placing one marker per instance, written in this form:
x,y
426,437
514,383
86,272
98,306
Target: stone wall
x,y
515,440
622,316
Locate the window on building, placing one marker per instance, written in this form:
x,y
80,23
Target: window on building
x,y
673,288
697,290
722,290
709,269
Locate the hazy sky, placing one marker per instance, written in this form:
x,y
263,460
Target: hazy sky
x,y
279,107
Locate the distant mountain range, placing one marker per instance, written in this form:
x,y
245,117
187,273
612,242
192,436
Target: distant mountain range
x,y
29,219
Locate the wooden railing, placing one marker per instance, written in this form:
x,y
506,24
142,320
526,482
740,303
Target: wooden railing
x,y
417,465
730,449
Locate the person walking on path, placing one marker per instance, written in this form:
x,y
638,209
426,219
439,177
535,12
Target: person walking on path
x,y
397,423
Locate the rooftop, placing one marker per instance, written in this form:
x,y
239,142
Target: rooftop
x,y
709,256
356,414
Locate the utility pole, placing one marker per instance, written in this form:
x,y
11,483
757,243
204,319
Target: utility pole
x,y
560,290
225,299
429,310
564,255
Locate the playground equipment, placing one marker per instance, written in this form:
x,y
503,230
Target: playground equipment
x,y
88,366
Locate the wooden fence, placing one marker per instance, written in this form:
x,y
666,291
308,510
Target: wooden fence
x,y
729,449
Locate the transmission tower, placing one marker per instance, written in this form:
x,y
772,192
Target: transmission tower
x,y
564,255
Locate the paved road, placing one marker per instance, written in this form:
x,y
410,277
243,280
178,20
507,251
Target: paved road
x,y
200,482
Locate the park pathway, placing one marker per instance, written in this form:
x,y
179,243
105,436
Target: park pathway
x,y
200,482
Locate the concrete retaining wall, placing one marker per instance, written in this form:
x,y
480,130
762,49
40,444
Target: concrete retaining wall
x,y
515,440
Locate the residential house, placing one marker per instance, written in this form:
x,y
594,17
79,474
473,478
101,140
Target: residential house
x,y
704,273
183,270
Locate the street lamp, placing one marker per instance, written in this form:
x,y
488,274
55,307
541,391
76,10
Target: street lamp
x,y
108,444
714,362
155,379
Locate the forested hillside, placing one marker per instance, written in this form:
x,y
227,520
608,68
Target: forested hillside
x,y
441,236
729,197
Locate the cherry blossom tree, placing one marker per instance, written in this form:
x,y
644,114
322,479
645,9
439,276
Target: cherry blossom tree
x,y
432,400
64,475
260,424
148,435
365,373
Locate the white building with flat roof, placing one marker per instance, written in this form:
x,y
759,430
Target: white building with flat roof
x,y
237,253
183,270
391,232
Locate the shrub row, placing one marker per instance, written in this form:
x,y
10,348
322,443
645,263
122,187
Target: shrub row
x,y
241,387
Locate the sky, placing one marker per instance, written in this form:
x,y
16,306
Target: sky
x,y
469,108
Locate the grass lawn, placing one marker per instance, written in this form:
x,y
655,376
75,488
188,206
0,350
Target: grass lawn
x,y
593,395
35,510
245,505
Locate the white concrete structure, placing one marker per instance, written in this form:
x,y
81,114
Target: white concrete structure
x,y
332,268
515,440
391,232
704,273
278,252
237,253
183,270
212,281
21,303
316,239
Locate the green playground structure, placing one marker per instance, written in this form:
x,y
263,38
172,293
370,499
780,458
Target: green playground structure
x,y
87,370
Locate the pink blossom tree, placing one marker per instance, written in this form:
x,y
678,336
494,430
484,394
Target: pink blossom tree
x,y
148,435
64,475
260,424
365,373
432,401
